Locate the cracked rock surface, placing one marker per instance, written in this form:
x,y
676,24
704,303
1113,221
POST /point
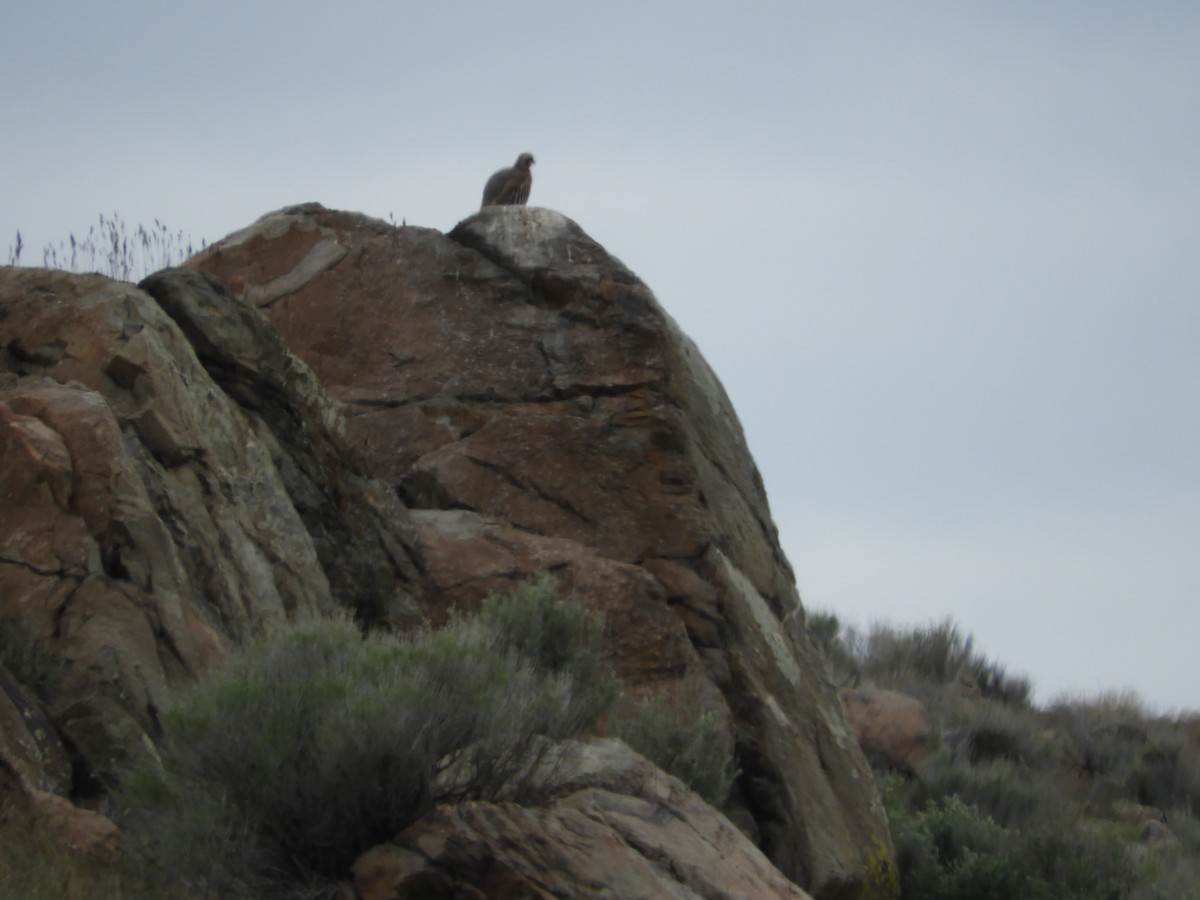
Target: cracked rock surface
x,y
536,408
608,825
161,499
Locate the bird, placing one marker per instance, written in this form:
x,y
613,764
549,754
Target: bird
x,y
509,187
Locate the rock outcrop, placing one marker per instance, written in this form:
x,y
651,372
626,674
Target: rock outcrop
x,y
324,412
151,517
634,833
536,408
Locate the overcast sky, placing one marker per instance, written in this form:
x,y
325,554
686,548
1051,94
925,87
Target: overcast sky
x,y
945,257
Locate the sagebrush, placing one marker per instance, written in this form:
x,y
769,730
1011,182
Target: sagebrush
x,y
318,742
1087,799
684,740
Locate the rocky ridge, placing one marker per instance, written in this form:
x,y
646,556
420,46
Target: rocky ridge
x,y
327,411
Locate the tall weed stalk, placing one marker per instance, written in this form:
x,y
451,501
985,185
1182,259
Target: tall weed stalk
x,y
110,248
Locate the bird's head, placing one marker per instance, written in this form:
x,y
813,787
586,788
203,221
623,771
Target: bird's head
x,y
524,161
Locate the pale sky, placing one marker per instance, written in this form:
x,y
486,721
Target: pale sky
x,y
945,257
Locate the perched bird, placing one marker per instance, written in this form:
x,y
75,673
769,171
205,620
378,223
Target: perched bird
x,y
509,187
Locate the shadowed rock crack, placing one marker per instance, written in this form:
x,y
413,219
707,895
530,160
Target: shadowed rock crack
x,y
38,570
533,489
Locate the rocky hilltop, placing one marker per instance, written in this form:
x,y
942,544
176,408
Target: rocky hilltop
x,y
324,411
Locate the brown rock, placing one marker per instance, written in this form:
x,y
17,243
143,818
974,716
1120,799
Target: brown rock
x,y
77,569
605,823
465,552
388,872
889,725
514,370
80,832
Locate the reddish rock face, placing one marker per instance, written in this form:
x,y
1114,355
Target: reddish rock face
x,y
81,832
537,409
889,724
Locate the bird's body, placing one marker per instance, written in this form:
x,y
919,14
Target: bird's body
x,y
510,187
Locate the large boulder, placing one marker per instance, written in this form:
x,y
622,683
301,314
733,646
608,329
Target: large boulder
x,y
595,820
890,727
535,407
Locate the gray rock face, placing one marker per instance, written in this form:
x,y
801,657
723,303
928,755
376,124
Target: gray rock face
x,y
361,533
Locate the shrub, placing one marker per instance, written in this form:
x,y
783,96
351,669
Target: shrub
x,y
999,789
685,741
938,654
1166,772
988,730
1129,754
826,632
317,743
1080,863
1102,735
1172,869
948,851
555,635
998,808
824,627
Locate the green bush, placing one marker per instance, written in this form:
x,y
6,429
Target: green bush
x,y
1129,754
1074,863
1102,735
555,635
685,741
999,789
984,730
1166,772
317,742
1171,870
826,632
824,627
938,654
948,851
1014,801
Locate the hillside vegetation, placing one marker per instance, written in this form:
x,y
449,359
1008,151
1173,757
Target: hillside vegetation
x,y
1084,798
316,742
